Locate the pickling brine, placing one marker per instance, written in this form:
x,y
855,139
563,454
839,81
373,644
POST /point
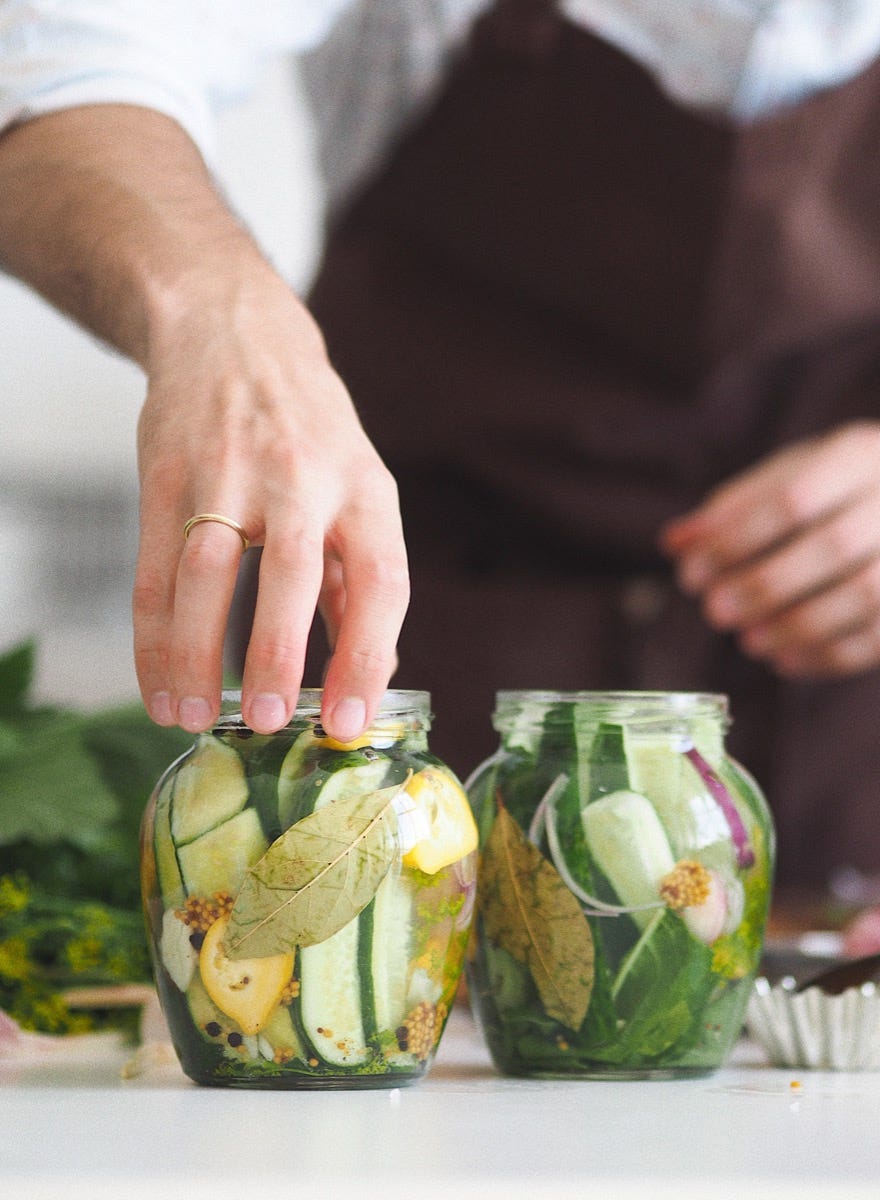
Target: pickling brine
x,y
626,865
308,901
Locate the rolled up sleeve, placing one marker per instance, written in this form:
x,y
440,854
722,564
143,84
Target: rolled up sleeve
x,y
183,59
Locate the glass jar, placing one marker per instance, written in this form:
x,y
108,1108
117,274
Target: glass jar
x,y
308,901
626,865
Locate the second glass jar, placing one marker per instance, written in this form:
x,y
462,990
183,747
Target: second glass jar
x,y
625,873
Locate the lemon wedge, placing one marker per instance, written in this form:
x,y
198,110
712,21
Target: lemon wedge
x,y
447,813
381,737
247,990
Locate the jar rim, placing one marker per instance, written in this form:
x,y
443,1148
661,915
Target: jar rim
x,y
619,704
610,695
395,703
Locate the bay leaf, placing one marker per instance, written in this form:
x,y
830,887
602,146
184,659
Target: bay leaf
x,y
315,878
528,911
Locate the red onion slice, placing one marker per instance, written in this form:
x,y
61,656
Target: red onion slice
x,y
745,856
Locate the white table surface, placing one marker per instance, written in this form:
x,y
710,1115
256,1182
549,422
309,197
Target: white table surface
x,y
71,1128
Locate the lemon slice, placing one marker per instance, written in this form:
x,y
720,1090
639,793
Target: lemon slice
x,y
248,989
381,738
453,831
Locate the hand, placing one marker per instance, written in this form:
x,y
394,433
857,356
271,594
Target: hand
x,y
787,555
245,417
861,934
110,212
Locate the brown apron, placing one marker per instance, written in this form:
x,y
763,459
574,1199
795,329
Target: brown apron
x,y
565,309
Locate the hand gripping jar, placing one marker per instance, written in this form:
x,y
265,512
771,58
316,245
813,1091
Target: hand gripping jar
x,y
625,874
308,901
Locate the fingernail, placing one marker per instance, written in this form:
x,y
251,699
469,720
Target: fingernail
x,y
159,708
194,714
268,712
348,718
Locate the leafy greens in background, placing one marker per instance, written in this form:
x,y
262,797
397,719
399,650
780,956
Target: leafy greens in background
x,y
73,787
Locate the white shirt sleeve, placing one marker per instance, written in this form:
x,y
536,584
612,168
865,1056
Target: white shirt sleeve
x,y
183,58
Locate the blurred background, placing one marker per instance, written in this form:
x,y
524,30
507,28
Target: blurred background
x,y
68,483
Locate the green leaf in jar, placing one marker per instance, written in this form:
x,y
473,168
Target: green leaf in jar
x,y
314,879
528,911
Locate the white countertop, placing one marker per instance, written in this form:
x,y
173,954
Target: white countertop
x,y
73,1129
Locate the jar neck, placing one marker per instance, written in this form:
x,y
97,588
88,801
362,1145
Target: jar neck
x,y
525,718
398,709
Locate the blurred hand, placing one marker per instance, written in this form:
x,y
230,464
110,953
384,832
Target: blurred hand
x,y
787,555
861,936
245,417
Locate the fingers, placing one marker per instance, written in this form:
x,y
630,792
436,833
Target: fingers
x,y
772,502
813,561
861,934
331,602
153,611
376,595
206,577
287,594
835,632
267,436
787,555
183,591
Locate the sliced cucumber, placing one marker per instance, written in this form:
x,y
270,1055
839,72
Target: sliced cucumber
x,y
659,769
209,788
603,769
179,956
390,950
333,1004
280,1036
629,846
347,782
296,780
330,998
204,1011
218,860
167,867
263,759
307,771
336,1002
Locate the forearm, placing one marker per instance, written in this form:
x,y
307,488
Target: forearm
x,y
110,213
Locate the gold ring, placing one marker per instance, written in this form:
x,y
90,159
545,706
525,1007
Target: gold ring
x,y
193,521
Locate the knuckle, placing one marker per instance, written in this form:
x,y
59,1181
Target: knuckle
x,y
151,661
208,555
388,576
369,659
795,500
867,584
842,539
149,594
293,547
274,657
760,587
851,654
